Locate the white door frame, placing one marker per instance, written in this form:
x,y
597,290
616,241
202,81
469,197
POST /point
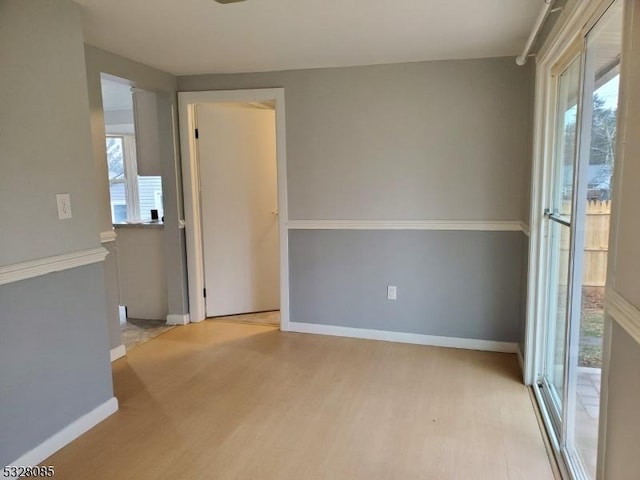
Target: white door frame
x,y
187,101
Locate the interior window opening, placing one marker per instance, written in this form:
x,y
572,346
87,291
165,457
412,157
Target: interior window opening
x,y
136,197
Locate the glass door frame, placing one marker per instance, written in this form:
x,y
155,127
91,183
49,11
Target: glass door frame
x,y
561,416
563,419
562,47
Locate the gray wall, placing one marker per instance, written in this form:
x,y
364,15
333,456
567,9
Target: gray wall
x,y
99,61
53,347
445,140
453,284
430,140
525,214
526,208
141,271
41,82
175,249
54,356
112,301
524,285
621,433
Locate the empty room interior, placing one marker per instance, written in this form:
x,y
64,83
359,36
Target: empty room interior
x,y
273,239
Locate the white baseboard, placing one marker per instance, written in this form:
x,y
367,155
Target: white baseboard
x,y
400,337
118,352
67,435
178,319
520,360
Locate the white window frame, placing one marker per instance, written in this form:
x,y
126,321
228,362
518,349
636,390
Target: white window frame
x,y
158,201
130,177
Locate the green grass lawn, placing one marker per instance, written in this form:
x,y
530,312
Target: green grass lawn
x,y
591,328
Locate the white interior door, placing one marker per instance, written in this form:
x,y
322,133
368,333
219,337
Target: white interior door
x,y
239,198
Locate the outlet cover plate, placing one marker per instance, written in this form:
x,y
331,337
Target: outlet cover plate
x,y
392,292
63,201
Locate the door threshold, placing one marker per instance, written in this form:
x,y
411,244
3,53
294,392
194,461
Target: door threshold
x,y
551,454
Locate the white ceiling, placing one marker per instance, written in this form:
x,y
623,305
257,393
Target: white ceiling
x,y
202,36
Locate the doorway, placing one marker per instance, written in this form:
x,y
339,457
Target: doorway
x,y
239,203
235,205
577,186
133,145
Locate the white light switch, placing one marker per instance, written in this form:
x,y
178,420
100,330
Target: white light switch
x,y
64,206
392,292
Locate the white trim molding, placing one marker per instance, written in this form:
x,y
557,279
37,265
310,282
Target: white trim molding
x,y
624,313
108,236
68,434
525,229
178,319
118,352
445,225
44,266
401,337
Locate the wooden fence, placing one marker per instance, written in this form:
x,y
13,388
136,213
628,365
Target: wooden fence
x,y
596,243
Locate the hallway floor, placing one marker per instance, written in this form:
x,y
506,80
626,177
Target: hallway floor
x,y
136,332
236,401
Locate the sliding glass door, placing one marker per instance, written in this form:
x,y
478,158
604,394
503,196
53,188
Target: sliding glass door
x,y
576,228
559,232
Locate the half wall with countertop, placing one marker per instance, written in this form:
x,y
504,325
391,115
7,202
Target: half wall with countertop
x,y
170,251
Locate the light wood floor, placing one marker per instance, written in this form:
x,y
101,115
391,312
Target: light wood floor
x,y
231,401
271,318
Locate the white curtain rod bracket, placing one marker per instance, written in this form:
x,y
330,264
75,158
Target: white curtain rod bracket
x,y
542,16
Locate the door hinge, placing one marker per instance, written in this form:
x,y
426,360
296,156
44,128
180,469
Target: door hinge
x,y
197,134
204,292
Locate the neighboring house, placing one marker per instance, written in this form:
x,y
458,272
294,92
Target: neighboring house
x,y
599,181
150,192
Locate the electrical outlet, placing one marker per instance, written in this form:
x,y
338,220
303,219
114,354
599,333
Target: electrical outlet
x,y
64,206
392,292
